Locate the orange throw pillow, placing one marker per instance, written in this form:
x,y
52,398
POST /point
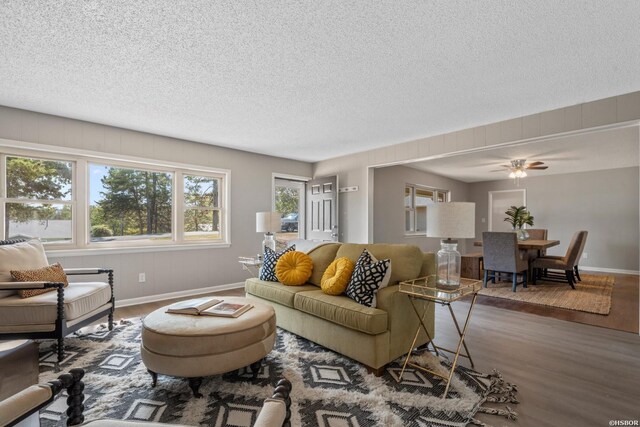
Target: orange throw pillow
x,y
52,273
294,268
336,277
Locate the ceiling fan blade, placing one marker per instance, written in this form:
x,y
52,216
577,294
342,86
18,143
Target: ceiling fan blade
x,y
535,164
538,168
498,170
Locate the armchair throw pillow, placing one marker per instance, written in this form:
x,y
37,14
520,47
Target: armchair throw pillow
x,y
52,273
369,276
268,270
294,268
20,256
336,277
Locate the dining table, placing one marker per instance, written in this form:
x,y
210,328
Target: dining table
x,y
525,245
530,244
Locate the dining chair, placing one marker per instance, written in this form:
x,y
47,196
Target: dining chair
x,y
536,234
501,255
568,263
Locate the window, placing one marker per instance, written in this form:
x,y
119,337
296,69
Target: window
x,y
129,204
289,201
38,199
78,201
202,207
416,201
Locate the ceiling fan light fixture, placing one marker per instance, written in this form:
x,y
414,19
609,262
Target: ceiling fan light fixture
x,y
512,174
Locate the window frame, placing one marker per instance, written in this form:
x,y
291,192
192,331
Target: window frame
x,y
5,199
411,209
80,191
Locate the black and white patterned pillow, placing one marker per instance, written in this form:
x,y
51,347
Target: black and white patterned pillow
x,y
271,257
369,276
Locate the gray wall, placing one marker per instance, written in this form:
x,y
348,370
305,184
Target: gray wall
x,y
605,203
388,211
179,270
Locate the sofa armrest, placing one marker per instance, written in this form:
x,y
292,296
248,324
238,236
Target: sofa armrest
x,y
403,321
17,286
276,409
30,400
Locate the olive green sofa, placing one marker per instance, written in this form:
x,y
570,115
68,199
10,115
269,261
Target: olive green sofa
x,y
372,336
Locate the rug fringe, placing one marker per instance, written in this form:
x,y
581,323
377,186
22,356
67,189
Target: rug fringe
x,y
508,413
503,398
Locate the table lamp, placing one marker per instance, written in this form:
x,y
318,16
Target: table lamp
x,y
454,220
268,223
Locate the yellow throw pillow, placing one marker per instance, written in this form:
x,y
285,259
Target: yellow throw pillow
x,y
52,273
336,277
294,268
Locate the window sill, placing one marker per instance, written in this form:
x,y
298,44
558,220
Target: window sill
x,y
423,234
133,250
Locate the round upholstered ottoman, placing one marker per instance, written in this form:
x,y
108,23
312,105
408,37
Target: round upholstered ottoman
x,y
193,347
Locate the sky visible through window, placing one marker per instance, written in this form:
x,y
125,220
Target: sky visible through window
x,y
96,173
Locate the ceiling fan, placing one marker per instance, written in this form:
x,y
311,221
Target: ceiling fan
x,y
517,169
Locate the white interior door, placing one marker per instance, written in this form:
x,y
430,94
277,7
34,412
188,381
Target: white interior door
x,y
322,209
499,202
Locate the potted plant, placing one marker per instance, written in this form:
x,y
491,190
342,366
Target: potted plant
x,y
518,217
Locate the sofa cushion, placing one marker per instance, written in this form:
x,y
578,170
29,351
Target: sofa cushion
x,y
275,291
406,260
342,310
294,268
79,299
20,256
336,277
322,256
52,273
271,257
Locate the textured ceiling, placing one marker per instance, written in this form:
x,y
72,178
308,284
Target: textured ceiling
x,y
606,149
313,79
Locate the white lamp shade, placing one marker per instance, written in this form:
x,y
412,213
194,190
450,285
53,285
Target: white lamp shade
x,y
267,222
455,220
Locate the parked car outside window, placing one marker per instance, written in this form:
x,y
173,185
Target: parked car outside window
x,y
289,222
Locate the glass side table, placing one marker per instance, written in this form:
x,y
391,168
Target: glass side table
x,y
424,288
251,265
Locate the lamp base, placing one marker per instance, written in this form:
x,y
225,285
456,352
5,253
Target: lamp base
x,y
448,261
269,242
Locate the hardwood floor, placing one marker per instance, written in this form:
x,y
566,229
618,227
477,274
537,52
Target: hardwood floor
x,y
567,373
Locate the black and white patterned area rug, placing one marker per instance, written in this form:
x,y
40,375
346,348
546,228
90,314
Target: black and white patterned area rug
x,y
328,389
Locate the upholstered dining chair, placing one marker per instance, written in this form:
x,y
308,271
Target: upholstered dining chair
x,y
568,263
536,234
501,255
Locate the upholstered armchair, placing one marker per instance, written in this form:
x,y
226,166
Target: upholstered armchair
x,y
53,314
275,410
501,255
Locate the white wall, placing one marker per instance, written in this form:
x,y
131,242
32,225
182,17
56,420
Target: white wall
x,y
605,203
388,202
251,180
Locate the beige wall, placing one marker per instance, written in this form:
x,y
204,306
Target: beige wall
x,y
388,202
356,209
605,203
251,176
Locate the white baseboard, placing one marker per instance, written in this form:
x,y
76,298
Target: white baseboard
x,y
609,270
178,294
